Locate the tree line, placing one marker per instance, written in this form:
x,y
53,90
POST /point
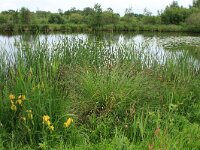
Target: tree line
x,y
173,18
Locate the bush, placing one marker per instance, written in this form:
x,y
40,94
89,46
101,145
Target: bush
x,y
193,19
151,20
8,27
174,15
2,19
45,28
55,19
34,27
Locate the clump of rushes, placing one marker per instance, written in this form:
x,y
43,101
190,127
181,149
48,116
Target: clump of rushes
x,y
46,121
68,122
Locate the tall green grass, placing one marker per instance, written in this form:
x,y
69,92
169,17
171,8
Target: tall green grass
x,y
118,96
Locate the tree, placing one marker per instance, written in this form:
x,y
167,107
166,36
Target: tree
x,y
129,11
96,17
72,10
75,18
15,17
2,19
55,18
108,17
174,14
60,11
25,15
193,19
87,11
196,3
42,14
174,4
8,12
147,12
109,9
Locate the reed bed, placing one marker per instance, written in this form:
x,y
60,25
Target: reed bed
x,y
91,94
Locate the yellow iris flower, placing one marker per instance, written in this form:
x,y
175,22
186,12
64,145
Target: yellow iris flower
x,y
22,97
19,101
13,107
68,122
11,97
46,118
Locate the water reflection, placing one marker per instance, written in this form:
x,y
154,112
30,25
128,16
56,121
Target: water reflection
x,y
159,45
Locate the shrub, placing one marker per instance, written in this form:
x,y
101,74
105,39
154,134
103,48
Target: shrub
x,y
55,19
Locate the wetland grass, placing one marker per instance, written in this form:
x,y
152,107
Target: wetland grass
x,y
97,95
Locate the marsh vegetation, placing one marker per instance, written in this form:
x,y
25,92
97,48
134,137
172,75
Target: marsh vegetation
x,y
100,92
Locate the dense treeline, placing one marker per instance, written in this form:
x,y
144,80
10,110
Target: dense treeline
x,y
173,18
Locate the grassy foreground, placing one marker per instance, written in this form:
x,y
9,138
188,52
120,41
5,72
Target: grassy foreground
x,y
94,95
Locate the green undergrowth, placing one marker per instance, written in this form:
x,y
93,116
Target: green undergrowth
x,y
116,98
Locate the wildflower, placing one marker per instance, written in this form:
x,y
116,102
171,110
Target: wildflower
x,y
12,102
13,107
46,118
30,115
48,122
11,97
22,97
19,101
51,127
68,122
23,118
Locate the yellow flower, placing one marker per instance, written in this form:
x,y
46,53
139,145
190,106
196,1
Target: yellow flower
x,y
51,128
48,122
11,97
19,101
23,118
22,97
68,122
30,115
29,111
13,107
12,102
45,118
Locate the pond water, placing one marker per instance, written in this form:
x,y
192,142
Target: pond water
x,y
159,45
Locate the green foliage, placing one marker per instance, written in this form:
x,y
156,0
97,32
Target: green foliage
x,y
151,20
55,19
2,19
75,18
196,3
88,11
118,100
25,15
110,18
193,19
16,17
174,15
130,22
96,17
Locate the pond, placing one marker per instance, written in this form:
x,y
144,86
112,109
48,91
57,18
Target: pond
x,y
159,46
